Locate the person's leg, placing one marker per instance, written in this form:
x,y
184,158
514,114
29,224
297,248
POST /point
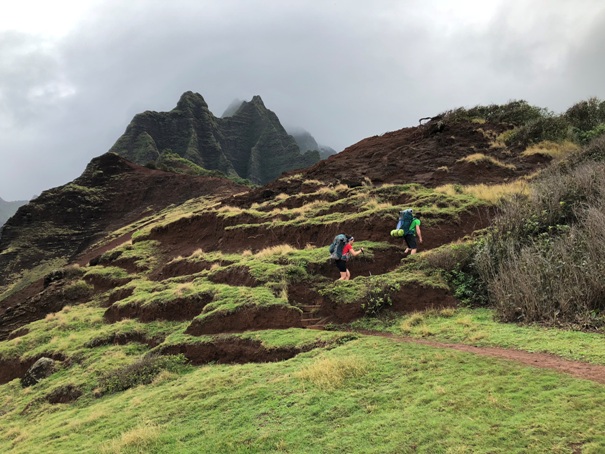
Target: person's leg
x,y
411,242
342,267
348,274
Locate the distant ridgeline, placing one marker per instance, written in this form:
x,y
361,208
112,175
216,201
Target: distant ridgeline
x,y
7,209
247,142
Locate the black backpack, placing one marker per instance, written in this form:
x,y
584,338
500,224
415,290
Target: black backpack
x,y
337,246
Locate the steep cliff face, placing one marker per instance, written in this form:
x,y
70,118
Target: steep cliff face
x,y
258,145
249,143
189,130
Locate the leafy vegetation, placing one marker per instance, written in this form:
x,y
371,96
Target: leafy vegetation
x,y
529,125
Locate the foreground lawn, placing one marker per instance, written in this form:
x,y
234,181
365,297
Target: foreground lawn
x,y
368,395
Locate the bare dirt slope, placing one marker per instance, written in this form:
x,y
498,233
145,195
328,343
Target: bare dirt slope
x,y
431,154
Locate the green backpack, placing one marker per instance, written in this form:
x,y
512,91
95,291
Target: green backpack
x,y
404,223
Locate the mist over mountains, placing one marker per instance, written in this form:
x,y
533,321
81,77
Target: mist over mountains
x,y
304,139
247,142
7,209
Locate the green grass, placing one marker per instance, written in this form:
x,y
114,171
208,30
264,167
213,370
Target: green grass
x,y
368,395
349,393
478,327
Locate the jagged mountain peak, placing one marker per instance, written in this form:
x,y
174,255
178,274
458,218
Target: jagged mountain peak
x,y
257,100
192,103
250,144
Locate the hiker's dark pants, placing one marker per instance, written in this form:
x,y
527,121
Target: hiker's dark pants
x,y
410,240
341,265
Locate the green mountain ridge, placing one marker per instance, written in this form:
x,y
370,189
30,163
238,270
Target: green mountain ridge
x,y
250,144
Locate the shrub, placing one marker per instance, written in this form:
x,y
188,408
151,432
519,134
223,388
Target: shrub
x,y
586,115
516,113
585,137
545,257
378,299
593,152
141,372
457,265
547,127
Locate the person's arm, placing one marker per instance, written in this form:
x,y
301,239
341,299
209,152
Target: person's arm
x,y
418,233
354,252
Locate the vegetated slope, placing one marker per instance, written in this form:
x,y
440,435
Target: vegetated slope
x,y
436,153
233,279
250,143
305,209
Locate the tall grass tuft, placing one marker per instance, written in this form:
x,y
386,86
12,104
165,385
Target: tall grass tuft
x,y
476,158
331,373
281,249
141,439
491,193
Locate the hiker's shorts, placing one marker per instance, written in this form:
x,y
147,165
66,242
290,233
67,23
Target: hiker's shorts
x,y
410,240
341,265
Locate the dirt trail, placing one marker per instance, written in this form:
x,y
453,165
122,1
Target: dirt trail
x,y
578,369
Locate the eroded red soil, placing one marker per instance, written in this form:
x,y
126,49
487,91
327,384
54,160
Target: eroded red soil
x,y
247,318
233,350
178,309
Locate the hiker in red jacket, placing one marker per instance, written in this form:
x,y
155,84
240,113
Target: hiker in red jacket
x,y
347,252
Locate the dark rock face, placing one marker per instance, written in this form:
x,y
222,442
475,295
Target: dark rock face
x,y
250,142
40,370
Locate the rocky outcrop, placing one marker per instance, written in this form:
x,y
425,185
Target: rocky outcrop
x,y
40,370
248,142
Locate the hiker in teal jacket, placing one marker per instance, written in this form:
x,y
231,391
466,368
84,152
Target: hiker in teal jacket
x,y
411,234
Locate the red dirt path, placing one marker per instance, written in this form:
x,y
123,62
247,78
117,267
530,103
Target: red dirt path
x,y
577,369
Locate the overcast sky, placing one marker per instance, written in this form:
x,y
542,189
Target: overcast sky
x,y
73,73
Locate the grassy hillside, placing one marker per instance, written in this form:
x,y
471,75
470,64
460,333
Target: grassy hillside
x,y
188,330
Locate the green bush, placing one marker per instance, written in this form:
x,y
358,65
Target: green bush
x,y
585,137
547,127
516,113
141,372
378,298
586,115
